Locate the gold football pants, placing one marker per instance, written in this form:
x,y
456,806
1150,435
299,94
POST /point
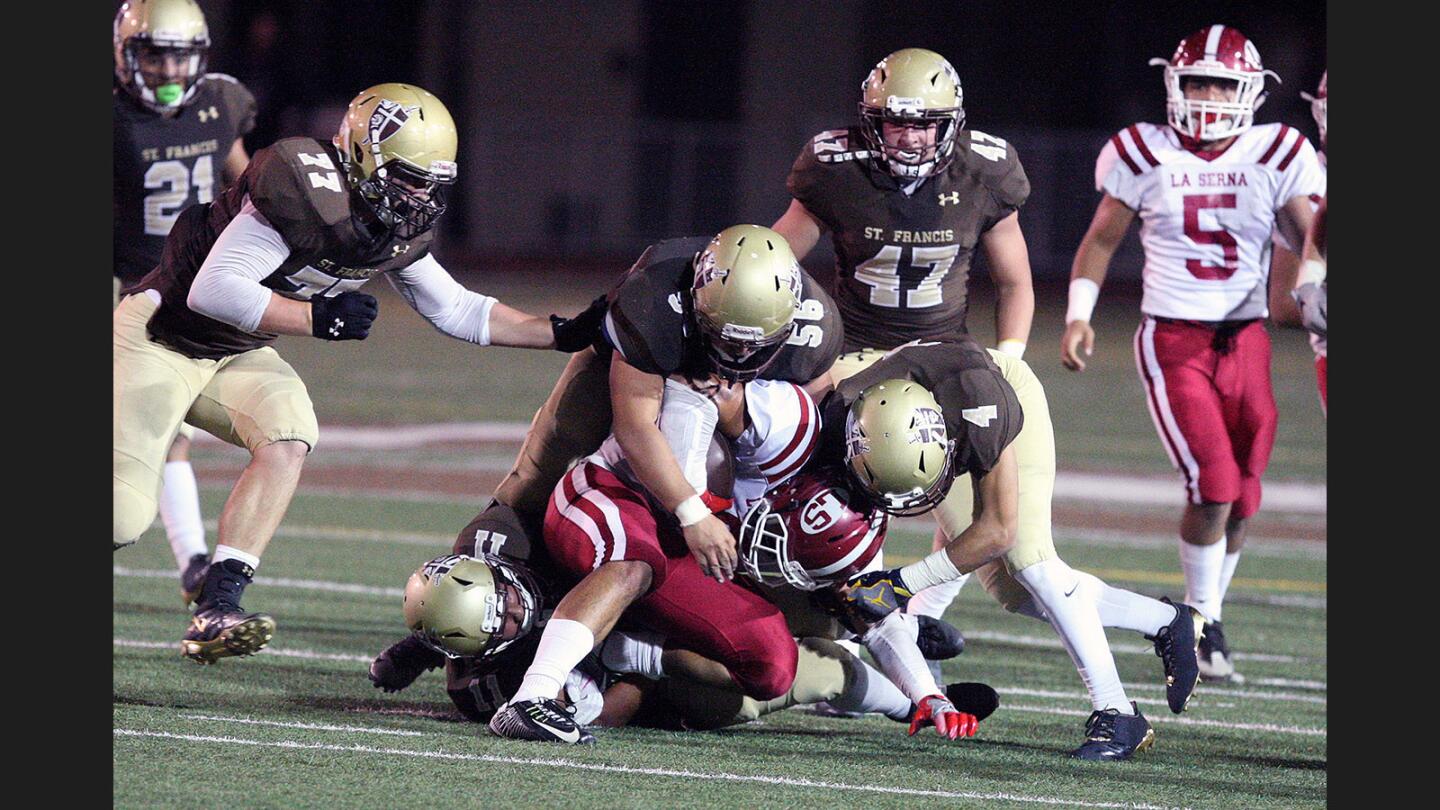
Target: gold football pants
x,y
249,399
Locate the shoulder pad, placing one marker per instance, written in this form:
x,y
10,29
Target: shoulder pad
x,y
995,161
296,185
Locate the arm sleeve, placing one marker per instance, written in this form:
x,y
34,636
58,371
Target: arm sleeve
x,y
687,421
443,301
892,643
227,286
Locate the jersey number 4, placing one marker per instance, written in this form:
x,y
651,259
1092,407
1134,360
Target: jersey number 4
x,y
1194,204
881,273
163,207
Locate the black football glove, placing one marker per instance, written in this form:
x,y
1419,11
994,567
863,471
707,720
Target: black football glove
x,y
574,334
347,316
873,596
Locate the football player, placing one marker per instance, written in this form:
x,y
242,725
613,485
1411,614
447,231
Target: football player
x,y
907,195
285,250
930,412
1209,189
177,142
1310,289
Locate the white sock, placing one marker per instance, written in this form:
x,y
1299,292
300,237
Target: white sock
x,y
935,600
180,512
223,552
636,652
564,643
1202,565
1227,572
1125,609
1077,622
871,691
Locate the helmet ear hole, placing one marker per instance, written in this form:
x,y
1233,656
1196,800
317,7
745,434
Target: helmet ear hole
x,y
357,152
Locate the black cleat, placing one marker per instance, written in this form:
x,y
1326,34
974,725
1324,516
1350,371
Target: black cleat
x,y
542,720
978,699
1176,645
1110,735
224,631
939,640
403,662
193,577
1216,664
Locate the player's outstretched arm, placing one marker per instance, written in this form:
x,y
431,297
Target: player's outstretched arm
x,y
1309,293
636,398
1009,259
1092,260
800,228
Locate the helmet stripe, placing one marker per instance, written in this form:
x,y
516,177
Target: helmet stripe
x,y
1212,42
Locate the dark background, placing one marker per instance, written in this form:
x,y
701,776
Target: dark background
x,y
590,129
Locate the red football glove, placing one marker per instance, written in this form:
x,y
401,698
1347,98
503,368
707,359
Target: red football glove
x,y
937,710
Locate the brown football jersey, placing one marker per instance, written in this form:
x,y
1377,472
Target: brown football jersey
x,y
902,262
296,184
982,413
164,164
648,324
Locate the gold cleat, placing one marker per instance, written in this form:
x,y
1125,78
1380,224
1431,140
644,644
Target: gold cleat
x,y
217,633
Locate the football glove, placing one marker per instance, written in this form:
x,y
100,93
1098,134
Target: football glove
x,y
1311,298
574,334
347,316
949,722
872,596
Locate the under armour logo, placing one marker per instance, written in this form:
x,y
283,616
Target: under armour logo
x,y
336,327
206,115
398,249
952,197
981,416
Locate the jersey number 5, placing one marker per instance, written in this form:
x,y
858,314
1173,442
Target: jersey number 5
x,y
1194,204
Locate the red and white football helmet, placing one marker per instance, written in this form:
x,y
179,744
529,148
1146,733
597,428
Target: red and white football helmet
x,y
809,532
1317,105
1216,52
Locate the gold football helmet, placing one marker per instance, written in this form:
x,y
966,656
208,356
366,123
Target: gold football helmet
x,y
397,143
471,606
912,86
160,48
746,291
897,449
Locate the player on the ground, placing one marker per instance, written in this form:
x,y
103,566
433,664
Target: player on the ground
x,y
177,142
1209,189
907,195
931,412
284,251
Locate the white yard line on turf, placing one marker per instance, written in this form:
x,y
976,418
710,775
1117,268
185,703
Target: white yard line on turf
x,y
1052,642
1184,721
276,582
307,654
1203,693
623,769
1283,496
307,726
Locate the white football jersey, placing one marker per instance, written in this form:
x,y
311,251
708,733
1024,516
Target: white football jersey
x,y
1207,218
783,433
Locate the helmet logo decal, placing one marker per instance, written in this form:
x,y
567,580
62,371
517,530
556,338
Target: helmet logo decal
x,y
706,271
927,425
820,513
388,118
980,416
855,442
794,283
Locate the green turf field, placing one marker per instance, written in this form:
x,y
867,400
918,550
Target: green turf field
x,y
300,725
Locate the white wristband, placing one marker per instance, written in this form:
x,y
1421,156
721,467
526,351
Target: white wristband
x,y
933,569
1311,272
1013,347
692,510
1083,295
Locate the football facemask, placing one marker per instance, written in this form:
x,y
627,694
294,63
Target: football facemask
x,y
896,447
160,50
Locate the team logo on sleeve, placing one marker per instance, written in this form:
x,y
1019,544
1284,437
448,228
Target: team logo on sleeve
x,y
926,426
388,118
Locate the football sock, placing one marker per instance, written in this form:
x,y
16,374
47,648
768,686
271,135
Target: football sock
x,y
1125,609
870,691
891,643
563,645
223,552
1202,566
935,600
1056,588
1227,572
636,652
180,512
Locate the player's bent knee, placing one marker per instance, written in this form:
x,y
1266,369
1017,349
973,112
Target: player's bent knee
x,y
770,676
133,513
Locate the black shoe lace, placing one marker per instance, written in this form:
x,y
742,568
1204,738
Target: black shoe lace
x,y
1165,645
1102,725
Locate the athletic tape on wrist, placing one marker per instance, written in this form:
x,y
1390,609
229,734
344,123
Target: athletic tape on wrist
x,y
1083,295
692,510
